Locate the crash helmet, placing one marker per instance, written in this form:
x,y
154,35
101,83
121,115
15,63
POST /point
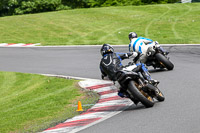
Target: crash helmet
x,y
106,48
132,35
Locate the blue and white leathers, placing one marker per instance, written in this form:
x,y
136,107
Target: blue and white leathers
x,y
140,44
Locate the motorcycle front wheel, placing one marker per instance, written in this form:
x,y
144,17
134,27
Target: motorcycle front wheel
x,y
164,61
140,95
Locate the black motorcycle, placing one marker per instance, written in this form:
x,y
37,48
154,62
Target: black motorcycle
x,y
139,89
157,57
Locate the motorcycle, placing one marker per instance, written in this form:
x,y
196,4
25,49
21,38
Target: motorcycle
x,y
157,57
138,88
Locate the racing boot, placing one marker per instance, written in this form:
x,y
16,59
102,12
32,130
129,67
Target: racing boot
x,y
149,79
122,94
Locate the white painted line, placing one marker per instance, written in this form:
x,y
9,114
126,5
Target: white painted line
x,y
3,44
67,77
19,44
93,82
87,116
60,130
111,103
74,46
104,89
16,45
108,95
33,45
180,44
90,115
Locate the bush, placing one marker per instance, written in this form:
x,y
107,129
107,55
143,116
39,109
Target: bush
x,y
3,6
96,3
76,3
10,7
99,3
35,6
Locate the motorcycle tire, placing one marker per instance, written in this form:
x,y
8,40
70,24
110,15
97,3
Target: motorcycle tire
x,y
160,97
144,98
158,94
164,61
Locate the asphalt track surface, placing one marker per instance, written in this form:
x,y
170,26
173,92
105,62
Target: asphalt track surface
x,y
179,113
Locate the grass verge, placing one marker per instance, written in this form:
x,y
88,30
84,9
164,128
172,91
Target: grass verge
x,y
166,23
32,103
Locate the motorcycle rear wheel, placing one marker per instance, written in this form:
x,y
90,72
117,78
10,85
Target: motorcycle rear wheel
x,y
140,95
164,61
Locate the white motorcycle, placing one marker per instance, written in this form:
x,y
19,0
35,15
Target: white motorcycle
x,y
156,56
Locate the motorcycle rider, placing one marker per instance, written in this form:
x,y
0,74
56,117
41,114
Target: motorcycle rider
x,y
142,45
111,63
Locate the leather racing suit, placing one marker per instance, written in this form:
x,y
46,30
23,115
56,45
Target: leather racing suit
x,y
111,63
140,45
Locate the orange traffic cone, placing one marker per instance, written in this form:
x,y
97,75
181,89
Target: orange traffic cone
x,y
79,106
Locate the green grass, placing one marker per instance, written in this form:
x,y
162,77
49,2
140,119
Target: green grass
x,y
31,103
166,23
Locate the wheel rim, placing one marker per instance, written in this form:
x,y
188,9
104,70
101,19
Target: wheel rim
x,y
162,64
143,93
150,99
147,96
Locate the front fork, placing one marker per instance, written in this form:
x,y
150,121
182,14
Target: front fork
x,y
142,82
145,71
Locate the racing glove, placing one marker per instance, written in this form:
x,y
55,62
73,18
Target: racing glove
x,y
132,54
157,44
137,57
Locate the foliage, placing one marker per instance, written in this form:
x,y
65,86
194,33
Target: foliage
x,y
106,3
37,6
76,3
3,6
121,2
11,7
99,3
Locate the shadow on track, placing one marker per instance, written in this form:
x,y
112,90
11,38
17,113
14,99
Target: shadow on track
x,y
138,107
157,70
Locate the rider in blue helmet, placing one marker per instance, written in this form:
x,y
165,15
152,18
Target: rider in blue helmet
x,y
111,63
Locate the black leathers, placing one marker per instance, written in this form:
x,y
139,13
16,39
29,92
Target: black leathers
x,y
111,63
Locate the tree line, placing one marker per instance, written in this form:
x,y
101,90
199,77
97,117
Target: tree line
x,y
13,7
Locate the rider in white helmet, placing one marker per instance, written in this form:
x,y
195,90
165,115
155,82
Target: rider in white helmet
x,y
140,44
